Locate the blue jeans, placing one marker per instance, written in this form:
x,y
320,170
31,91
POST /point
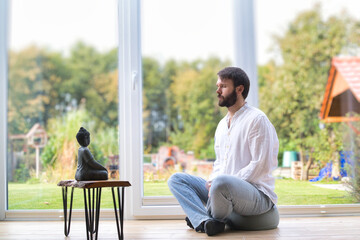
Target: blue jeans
x,y
230,198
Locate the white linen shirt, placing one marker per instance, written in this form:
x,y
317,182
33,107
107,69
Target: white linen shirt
x,y
247,149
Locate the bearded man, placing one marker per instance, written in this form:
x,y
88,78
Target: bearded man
x,y
240,191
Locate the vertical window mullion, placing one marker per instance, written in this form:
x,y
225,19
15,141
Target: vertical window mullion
x,y
129,65
4,9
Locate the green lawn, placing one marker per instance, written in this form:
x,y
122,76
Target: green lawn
x,y
290,192
48,196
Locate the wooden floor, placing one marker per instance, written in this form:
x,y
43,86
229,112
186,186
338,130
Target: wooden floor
x,y
289,228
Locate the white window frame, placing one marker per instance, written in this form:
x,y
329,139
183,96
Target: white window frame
x,y
130,114
130,129
3,104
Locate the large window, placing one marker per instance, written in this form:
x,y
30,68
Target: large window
x,y
140,76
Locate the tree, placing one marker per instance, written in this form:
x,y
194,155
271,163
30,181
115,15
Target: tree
x,y
36,78
155,103
194,90
43,84
293,90
353,164
94,82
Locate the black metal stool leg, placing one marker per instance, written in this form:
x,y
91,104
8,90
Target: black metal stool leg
x,y
120,228
67,221
122,208
92,212
98,198
86,216
121,211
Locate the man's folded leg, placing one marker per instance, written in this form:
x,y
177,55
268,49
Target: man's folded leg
x,y
192,195
229,194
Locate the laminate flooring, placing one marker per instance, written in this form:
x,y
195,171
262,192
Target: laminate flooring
x,y
289,228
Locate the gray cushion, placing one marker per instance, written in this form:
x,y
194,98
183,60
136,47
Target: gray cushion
x,y
265,221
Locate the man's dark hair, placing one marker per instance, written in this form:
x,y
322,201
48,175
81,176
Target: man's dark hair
x,y
238,76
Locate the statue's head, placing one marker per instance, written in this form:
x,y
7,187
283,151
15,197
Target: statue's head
x,y
83,137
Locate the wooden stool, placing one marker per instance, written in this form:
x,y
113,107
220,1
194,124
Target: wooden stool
x,y
91,208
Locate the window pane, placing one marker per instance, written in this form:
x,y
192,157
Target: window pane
x,y
181,56
295,46
62,75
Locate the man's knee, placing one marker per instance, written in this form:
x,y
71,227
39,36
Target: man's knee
x,y
220,184
175,179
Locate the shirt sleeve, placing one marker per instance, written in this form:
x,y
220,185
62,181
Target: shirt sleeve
x,y
263,145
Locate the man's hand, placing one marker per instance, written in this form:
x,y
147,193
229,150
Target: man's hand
x,y
208,185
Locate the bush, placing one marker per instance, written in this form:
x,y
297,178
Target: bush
x,y
209,151
59,157
352,140
22,173
353,183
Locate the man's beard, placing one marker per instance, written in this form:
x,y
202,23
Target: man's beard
x,y
228,101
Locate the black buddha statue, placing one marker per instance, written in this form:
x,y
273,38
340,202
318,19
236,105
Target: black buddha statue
x,y
88,168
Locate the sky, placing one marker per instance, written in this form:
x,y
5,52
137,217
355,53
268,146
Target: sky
x,y
179,29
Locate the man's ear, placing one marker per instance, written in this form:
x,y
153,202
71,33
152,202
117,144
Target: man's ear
x,y
240,89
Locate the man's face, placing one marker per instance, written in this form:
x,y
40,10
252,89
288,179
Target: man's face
x,y
226,93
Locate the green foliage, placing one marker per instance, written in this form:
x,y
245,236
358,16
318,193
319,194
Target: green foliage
x,y
33,180
353,168
355,180
177,108
94,83
179,100
327,143
22,173
194,90
209,151
108,141
48,88
45,85
98,154
61,132
291,92
49,152
60,153
36,77
156,102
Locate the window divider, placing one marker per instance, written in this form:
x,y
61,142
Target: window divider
x,y
4,22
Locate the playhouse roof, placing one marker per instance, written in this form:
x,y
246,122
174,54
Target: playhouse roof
x,y
36,130
342,94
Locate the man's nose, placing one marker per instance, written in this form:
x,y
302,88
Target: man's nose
x,y
218,91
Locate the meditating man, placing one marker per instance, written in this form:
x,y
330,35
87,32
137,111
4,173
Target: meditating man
x,y
240,190
88,168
